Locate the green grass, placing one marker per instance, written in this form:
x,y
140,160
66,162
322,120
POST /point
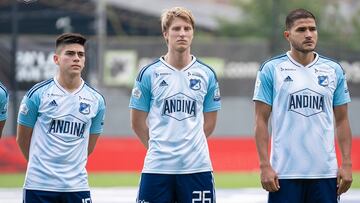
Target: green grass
x,y
222,180
114,179
11,180
237,180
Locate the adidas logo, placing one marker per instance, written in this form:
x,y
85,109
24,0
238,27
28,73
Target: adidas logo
x,y
288,79
163,83
53,103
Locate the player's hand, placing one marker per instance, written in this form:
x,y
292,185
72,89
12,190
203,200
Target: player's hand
x,y
269,179
344,179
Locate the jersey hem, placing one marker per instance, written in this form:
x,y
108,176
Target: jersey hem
x,y
307,176
212,109
177,171
96,133
341,103
139,108
262,100
58,189
26,124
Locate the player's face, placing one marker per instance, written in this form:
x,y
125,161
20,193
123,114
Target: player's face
x,y
302,35
70,59
179,35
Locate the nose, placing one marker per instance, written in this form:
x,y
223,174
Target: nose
x,y
182,32
308,33
76,57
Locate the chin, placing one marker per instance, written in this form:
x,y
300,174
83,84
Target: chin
x,y
75,72
310,49
181,49
305,50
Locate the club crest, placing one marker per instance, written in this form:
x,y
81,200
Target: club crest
x,y
195,84
84,108
323,80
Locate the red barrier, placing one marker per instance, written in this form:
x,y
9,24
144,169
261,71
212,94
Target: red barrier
x,y
233,154
117,154
11,158
127,154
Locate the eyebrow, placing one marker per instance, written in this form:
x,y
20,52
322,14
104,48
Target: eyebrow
x,y
302,27
70,51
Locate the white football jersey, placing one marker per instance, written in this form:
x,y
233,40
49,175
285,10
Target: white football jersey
x,y
62,123
302,118
4,100
175,101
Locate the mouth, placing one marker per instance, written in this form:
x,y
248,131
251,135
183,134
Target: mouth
x,y
309,42
76,66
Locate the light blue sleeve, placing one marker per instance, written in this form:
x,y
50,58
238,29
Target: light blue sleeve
x,y
28,111
341,94
212,101
141,94
4,100
264,85
97,123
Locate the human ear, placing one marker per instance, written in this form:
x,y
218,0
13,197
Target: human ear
x,y
286,34
56,59
166,35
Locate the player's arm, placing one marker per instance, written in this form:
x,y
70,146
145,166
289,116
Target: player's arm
x,y
92,142
269,179
209,122
138,124
343,132
2,124
23,139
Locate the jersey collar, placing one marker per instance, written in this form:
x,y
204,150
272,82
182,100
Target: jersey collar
x,y
299,64
175,69
67,92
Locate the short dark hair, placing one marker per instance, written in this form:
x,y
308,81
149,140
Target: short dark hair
x,y
70,38
297,14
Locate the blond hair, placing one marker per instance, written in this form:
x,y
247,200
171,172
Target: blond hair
x,y
168,16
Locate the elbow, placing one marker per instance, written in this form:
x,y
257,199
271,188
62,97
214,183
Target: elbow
x,y
134,126
138,127
18,141
90,151
208,131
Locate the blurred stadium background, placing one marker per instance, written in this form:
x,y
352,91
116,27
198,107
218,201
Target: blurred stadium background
x,y
233,36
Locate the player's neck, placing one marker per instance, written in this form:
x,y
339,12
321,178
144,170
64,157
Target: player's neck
x,y
178,59
69,83
303,58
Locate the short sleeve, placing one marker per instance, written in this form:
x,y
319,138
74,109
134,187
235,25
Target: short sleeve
x,y
141,94
4,100
28,111
341,94
212,101
264,85
97,123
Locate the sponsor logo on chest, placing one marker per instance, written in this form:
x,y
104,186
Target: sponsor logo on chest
x,y
67,128
306,102
179,107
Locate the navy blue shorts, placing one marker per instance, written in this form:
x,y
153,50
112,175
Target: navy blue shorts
x,y
179,188
39,196
305,191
